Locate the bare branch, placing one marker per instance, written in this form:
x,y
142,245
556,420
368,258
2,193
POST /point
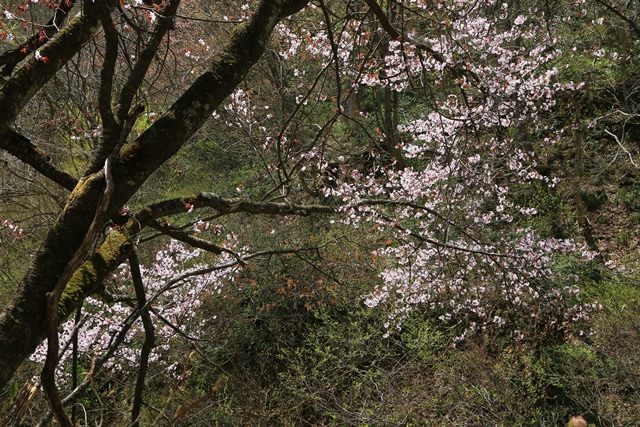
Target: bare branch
x,y
23,149
109,123
634,26
165,23
187,238
234,205
149,336
615,137
397,35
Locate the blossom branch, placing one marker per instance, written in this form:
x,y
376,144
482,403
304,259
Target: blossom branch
x,y
397,35
11,58
97,363
32,74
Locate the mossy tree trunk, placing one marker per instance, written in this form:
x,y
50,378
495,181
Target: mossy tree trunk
x,y
23,322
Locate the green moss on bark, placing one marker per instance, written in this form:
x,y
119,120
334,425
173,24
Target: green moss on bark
x,y
93,272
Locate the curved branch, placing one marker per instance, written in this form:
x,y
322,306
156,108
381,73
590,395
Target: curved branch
x,y
118,243
235,205
23,149
187,238
632,24
32,73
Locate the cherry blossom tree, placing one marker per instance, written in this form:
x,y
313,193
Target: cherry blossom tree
x,y
423,121
119,167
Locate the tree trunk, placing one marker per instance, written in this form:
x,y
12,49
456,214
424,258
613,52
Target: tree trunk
x,y
23,323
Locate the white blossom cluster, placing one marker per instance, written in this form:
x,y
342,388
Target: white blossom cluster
x,y
10,231
174,308
454,214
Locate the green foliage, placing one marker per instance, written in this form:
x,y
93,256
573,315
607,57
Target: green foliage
x,y
594,200
552,219
630,196
423,340
331,365
623,238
